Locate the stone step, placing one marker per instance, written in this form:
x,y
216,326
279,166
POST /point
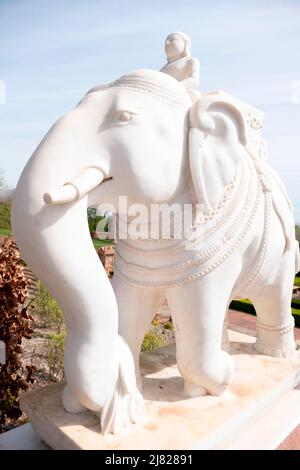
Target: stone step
x,y
270,428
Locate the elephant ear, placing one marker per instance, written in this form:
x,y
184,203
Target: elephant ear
x,y
217,138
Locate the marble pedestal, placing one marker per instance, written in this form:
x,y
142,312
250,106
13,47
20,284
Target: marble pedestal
x,y
173,421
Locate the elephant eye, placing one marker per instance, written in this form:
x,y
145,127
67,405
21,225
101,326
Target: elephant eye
x,y
125,116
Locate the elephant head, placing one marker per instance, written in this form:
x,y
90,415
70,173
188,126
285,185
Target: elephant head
x,y
112,143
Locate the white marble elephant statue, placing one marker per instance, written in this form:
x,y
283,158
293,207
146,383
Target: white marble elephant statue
x,y
142,137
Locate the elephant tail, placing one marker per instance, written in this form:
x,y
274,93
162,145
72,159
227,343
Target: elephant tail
x,y
126,405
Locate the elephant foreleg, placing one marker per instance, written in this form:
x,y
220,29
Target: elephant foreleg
x,y
198,311
137,308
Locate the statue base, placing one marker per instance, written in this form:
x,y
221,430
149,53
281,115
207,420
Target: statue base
x,y
174,421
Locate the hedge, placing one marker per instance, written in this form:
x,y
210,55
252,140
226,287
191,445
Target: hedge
x,y
296,304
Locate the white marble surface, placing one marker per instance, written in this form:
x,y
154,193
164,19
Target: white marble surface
x,y
264,432
269,429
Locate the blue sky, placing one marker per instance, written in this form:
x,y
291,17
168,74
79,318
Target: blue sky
x,y
53,51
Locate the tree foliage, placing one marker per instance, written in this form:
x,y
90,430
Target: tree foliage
x,y
5,217
15,324
94,219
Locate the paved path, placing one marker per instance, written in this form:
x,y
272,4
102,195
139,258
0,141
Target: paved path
x,y
245,323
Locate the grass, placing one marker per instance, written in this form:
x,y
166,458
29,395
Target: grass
x,y
152,341
4,232
99,243
297,281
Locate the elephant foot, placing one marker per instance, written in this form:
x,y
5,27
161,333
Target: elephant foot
x,y
192,390
213,379
70,402
274,352
275,343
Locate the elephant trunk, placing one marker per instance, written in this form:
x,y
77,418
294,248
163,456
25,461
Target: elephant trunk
x,y
56,245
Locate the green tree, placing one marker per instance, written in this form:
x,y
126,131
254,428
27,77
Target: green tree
x,y
94,218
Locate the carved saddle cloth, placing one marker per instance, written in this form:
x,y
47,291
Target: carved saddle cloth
x,y
214,236
210,241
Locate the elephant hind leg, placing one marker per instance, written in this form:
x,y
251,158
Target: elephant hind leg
x,y
275,323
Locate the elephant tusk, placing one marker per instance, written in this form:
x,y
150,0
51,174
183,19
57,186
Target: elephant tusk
x,y
67,193
76,188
